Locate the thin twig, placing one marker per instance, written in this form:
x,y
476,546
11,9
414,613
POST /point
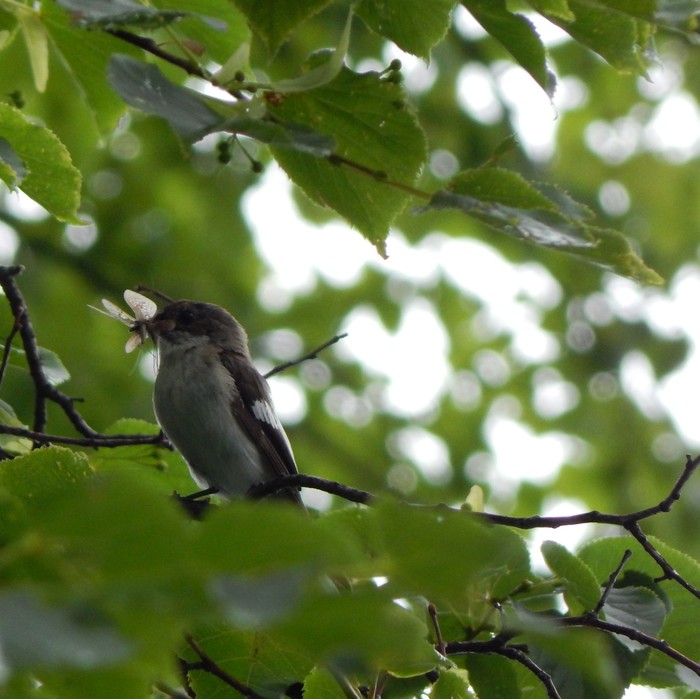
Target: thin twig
x,y
7,350
669,572
611,583
498,646
439,642
98,440
644,639
310,355
209,665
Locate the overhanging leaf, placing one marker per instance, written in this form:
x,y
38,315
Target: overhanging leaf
x,y
506,202
144,86
636,608
581,585
413,25
51,179
517,35
373,130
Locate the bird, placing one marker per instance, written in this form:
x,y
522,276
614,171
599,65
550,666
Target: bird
x,y
213,404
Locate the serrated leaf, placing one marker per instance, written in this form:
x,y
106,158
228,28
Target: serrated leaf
x,y
413,25
517,35
506,202
580,581
51,179
612,32
44,473
636,608
366,117
117,13
274,20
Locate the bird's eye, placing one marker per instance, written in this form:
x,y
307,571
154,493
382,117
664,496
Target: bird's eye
x,y
187,317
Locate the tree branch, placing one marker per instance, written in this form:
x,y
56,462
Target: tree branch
x,y
310,355
209,665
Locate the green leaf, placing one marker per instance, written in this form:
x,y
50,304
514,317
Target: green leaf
x,y
517,35
484,561
144,86
85,55
367,118
217,44
323,73
493,677
9,442
506,202
413,25
52,180
111,14
452,684
582,590
555,8
33,635
320,684
36,40
274,20
44,473
636,608
613,32
365,628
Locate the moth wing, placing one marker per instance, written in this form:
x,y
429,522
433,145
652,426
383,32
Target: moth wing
x,y
133,342
115,312
143,307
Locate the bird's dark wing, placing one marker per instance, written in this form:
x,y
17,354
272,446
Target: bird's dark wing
x,y
252,406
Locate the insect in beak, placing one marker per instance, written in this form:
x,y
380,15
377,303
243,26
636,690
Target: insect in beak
x,y
144,309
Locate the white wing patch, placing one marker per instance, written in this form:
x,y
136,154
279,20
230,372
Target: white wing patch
x,y
264,412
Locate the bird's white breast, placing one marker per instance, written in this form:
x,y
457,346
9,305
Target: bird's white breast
x,y
192,400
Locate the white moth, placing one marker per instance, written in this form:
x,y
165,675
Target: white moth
x,y
144,309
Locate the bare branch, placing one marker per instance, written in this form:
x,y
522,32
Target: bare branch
x,y
611,583
311,355
262,490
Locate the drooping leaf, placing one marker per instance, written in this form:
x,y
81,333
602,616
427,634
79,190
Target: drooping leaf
x,y
506,202
9,442
144,86
51,179
413,25
517,35
373,130
612,29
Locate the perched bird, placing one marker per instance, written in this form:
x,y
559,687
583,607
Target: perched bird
x,y
213,404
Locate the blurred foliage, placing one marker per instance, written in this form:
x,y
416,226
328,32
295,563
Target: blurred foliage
x,y
552,367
